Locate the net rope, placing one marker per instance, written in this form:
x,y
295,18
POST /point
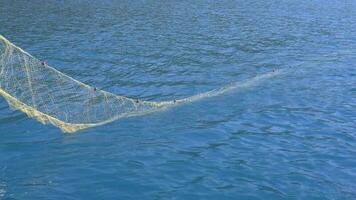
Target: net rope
x,y
49,96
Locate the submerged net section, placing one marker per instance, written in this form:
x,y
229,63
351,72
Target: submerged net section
x,y
50,96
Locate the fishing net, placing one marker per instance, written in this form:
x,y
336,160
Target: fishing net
x,y
50,96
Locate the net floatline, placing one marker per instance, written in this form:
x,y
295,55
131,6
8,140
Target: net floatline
x,y
50,96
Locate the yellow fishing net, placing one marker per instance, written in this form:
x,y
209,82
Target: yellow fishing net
x,y
50,96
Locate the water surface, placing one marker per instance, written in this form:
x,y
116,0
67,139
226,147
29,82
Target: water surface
x,y
290,137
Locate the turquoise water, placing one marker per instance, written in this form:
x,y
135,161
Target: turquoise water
x,y
292,136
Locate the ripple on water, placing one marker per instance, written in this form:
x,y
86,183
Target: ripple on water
x,y
290,137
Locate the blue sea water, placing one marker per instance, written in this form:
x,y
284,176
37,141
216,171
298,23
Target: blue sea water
x,y
292,136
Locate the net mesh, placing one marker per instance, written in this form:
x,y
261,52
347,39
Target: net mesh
x,y
50,96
